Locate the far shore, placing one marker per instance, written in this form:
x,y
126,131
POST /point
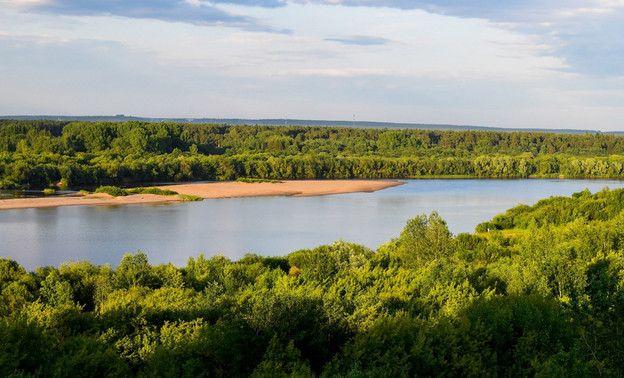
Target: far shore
x,y
210,190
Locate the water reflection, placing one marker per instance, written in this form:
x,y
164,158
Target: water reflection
x,y
266,225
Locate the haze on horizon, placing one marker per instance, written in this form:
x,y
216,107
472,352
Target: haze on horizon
x,y
522,64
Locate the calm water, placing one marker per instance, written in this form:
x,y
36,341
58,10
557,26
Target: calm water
x,y
262,225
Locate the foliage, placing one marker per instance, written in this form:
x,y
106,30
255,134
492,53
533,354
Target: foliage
x,y
112,190
153,190
189,198
539,294
252,180
424,239
42,154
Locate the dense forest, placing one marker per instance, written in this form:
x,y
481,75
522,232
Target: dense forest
x,y
536,291
42,154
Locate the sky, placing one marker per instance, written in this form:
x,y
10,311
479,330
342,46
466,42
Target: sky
x,y
518,64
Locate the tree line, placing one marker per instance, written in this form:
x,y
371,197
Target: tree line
x,y
537,291
40,154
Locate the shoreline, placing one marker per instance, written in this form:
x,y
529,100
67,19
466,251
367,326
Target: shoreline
x,y
212,190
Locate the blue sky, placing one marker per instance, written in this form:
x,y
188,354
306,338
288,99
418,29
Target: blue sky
x,y
544,64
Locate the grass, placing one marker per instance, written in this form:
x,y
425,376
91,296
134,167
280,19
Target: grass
x,y
112,190
116,191
252,180
189,198
153,190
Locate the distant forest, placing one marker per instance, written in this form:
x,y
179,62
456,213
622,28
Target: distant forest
x,y
41,154
541,294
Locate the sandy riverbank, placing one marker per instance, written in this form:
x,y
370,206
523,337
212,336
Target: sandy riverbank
x,y
208,190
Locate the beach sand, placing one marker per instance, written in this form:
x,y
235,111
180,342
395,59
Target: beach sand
x,y
208,190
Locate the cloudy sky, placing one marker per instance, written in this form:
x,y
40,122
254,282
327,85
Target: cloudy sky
x,y
523,63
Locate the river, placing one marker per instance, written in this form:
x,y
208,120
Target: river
x,y
262,225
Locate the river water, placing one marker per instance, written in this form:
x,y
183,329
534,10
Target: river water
x,y
262,225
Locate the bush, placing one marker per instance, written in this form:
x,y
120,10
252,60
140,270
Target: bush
x,y
253,180
189,198
112,190
9,184
153,190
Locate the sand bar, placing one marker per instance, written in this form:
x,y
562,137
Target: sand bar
x,y
208,190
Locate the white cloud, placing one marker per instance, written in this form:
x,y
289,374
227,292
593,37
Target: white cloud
x,y
383,64
24,4
422,44
187,11
340,72
579,12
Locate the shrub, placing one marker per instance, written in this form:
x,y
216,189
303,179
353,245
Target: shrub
x,y
189,198
9,183
253,180
112,190
153,190
63,184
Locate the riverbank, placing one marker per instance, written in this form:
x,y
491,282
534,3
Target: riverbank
x,y
211,190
